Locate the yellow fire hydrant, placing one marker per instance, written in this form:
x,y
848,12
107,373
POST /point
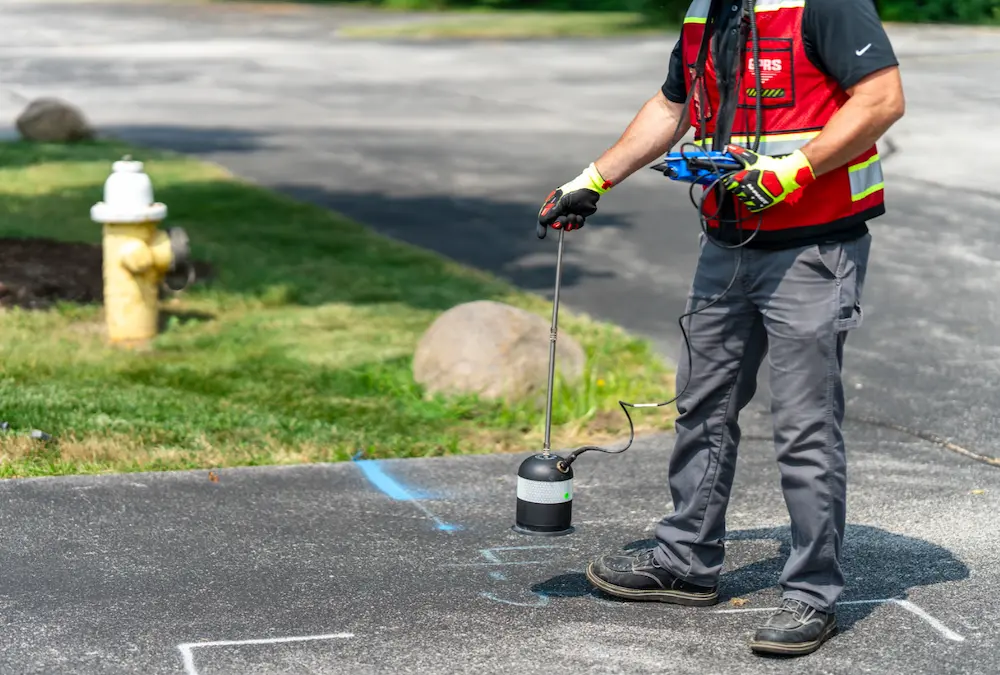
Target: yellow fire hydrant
x,y
137,256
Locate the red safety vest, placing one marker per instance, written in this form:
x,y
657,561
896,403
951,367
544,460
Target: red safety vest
x,y
798,100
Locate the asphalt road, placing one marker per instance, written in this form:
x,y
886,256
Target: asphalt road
x,y
452,146
411,567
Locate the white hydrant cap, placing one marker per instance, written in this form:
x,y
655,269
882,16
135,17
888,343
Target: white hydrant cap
x,y
128,196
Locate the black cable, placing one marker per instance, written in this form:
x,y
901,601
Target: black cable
x,y
759,98
698,80
563,466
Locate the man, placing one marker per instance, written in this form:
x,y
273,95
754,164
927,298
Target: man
x,y
829,87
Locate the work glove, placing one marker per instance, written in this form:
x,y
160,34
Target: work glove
x,y
571,204
765,181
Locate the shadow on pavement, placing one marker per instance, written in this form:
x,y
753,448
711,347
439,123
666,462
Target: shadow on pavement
x,y
247,241
495,233
878,565
483,233
188,140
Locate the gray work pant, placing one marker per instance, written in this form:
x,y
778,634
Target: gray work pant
x,y
795,306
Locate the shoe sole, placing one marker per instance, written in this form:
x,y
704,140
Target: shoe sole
x,y
793,648
673,597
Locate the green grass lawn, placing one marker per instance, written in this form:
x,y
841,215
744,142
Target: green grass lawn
x,y
302,352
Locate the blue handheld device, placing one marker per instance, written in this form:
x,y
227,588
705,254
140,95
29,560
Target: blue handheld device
x,y
703,167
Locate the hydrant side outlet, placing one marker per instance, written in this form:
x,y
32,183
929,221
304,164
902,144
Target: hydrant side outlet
x,y
162,252
136,254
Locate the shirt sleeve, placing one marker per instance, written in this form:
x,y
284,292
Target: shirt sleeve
x,y
674,88
846,39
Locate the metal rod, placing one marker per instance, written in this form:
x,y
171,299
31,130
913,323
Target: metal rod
x,y
552,345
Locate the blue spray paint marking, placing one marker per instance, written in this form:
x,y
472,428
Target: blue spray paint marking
x,y
383,481
393,489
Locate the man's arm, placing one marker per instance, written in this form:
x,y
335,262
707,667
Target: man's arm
x,y
876,104
659,124
650,135
845,38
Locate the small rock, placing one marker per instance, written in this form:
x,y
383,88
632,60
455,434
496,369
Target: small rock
x,y
51,120
492,350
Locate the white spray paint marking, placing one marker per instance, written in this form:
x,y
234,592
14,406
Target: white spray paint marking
x,y
772,609
498,563
524,548
490,557
541,602
188,654
933,622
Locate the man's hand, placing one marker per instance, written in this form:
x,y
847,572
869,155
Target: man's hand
x,y
766,181
571,204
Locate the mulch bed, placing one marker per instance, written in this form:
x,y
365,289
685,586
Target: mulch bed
x,y
38,273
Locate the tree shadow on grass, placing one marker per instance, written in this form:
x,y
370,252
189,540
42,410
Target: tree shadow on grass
x,y
486,234
255,241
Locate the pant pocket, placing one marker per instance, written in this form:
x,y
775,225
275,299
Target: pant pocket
x,y
852,315
850,275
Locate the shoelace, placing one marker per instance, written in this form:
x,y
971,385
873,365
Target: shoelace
x,y
788,605
646,558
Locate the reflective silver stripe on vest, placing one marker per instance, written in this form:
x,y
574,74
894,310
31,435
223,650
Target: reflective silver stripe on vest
x,y
775,145
544,492
697,11
866,178
772,5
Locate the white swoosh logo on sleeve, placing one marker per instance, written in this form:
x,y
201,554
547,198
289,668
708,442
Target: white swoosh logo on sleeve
x,y
859,52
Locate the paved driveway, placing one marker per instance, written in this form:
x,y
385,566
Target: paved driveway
x,y
452,146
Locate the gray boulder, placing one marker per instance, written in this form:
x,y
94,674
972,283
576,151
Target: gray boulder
x,y
51,120
493,350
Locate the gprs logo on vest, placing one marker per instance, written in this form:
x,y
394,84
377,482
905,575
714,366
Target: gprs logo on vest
x,y
775,75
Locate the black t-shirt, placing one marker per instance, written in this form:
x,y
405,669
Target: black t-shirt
x,y
843,38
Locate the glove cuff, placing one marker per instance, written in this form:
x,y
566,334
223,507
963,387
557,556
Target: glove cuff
x,y
805,174
597,182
